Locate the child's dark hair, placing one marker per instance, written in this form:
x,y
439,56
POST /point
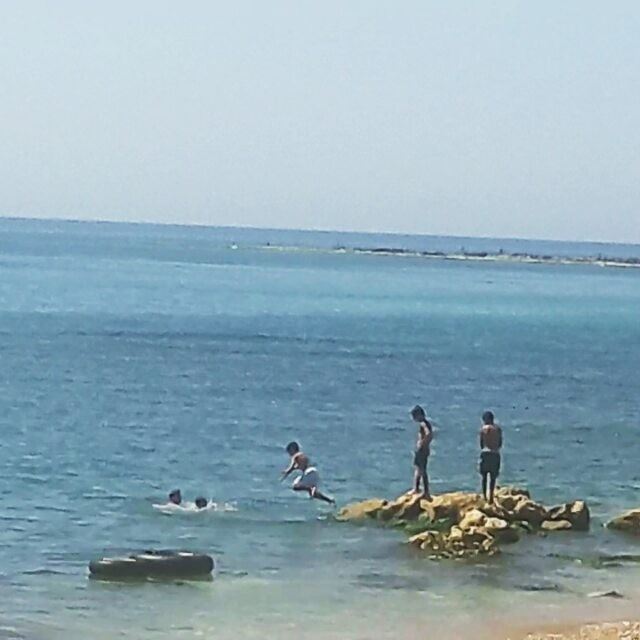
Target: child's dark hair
x,y
201,502
487,417
292,447
418,412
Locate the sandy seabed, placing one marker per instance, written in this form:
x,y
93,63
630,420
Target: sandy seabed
x,y
608,631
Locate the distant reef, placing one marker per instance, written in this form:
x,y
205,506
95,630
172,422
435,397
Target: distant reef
x,y
487,256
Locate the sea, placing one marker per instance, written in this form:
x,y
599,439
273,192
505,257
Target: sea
x,y
139,358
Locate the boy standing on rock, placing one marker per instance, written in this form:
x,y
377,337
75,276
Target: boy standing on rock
x,y
423,449
490,445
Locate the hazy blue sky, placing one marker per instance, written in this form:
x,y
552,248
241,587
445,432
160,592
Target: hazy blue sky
x,y
468,118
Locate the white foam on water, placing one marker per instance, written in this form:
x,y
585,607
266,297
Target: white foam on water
x,y
189,508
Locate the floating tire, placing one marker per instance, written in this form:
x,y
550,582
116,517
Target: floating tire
x,y
163,565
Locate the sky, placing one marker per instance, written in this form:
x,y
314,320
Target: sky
x,y
478,118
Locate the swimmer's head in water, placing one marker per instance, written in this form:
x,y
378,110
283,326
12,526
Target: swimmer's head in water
x,y
487,417
418,414
292,448
201,502
175,496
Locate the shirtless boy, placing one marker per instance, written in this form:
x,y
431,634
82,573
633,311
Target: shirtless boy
x,y
309,480
422,452
490,445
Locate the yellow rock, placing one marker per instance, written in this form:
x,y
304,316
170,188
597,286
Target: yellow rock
x,y
475,536
628,522
454,505
463,525
556,525
421,538
577,513
456,534
529,511
361,510
407,507
504,492
501,530
473,518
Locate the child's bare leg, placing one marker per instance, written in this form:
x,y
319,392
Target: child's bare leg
x,y
417,476
492,487
425,483
316,493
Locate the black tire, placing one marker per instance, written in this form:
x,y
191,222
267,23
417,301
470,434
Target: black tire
x,y
159,565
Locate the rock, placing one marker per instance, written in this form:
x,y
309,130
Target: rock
x,y
521,525
464,525
361,510
540,587
529,511
517,492
556,525
456,534
473,518
423,523
501,530
628,522
507,497
606,594
456,544
408,507
476,535
420,538
454,505
577,513
498,510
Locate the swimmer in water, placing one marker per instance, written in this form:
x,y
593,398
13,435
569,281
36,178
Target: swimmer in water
x,y
175,497
490,445
309,480
201,503
422,452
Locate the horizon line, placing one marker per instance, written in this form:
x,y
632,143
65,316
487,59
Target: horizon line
x,y
143,222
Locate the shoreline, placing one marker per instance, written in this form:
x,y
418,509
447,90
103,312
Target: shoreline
x,y
471,256
600,619
621,630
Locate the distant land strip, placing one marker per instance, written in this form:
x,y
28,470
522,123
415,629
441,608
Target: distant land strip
x,y
486,256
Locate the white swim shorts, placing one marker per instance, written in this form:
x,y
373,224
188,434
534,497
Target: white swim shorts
x,y
308,480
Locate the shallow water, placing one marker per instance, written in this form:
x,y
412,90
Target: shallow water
x,y
138,359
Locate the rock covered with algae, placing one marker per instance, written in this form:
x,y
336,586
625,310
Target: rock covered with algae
x,y
464,525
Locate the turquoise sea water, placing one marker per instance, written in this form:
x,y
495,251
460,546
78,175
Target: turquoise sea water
x,y
136,359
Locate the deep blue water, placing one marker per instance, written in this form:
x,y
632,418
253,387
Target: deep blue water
x,y
140,358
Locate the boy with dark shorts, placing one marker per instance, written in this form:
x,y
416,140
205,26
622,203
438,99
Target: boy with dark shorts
x,y
490,445
422,452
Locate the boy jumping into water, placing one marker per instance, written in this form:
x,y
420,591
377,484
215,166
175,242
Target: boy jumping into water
x,y
490,445
309,480
422,452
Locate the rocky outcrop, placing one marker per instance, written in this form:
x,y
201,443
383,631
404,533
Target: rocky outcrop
x,y
628,522
456,543
361,510
575,513
463,525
